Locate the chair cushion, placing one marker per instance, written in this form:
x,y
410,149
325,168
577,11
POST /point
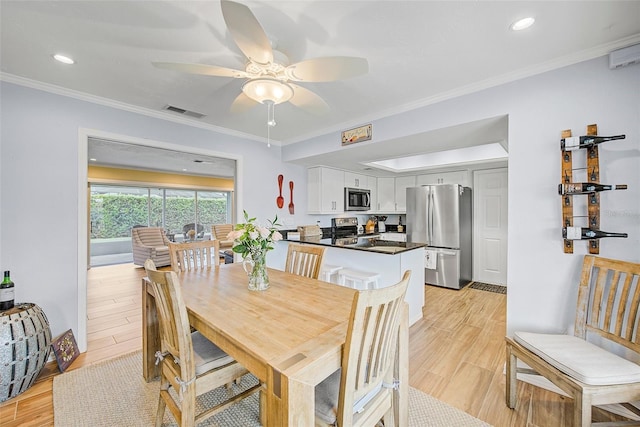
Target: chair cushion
x,y
327,393
582,360
207,355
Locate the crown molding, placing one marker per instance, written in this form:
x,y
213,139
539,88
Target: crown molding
x,y
82,96
561,62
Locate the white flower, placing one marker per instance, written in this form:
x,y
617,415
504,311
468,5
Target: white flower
x,y
253,238
235,234
264,232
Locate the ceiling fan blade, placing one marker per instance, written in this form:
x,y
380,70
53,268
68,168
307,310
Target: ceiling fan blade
x,y
327,69
247,32
307,100
242,103
207,70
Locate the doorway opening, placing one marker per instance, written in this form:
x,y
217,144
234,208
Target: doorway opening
x,y
151,155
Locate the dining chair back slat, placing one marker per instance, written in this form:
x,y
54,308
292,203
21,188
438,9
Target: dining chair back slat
x,y
304,260
199,255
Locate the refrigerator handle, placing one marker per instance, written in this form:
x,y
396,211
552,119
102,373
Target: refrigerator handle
x,y
430,217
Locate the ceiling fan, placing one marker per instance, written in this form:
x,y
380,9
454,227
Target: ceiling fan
x,y
269,78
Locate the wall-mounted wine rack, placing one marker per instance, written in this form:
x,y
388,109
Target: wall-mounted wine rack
x,y
592,170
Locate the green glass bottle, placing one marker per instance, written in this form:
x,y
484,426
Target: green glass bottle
x,y
6,292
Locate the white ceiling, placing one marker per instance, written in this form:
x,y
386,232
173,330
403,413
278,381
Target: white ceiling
x,y
419,52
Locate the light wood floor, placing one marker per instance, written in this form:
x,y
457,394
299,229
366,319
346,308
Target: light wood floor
x,y
456,353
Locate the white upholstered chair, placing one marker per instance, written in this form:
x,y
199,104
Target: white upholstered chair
x,y
361,393
191,365
304,260
608,311
150,243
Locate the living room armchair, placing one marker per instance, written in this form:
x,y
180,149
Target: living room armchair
x,y
219,232
150,243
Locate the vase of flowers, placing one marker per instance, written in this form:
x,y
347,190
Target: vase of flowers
x,y
253,241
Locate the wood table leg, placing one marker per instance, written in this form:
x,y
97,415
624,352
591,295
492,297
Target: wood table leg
x,y
298,403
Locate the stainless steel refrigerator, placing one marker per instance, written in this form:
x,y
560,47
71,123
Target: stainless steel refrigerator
x,y
440,216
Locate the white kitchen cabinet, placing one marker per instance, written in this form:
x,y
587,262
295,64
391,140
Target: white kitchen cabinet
x,y
402,183
392,194
386,194
355,180
325,191
373,186
455,177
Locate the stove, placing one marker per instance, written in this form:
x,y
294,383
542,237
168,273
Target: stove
x,y
344,228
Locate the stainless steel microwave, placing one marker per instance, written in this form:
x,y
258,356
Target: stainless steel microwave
x,y
357,199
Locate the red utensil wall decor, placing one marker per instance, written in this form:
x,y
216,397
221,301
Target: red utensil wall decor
x,y
280,199
291,207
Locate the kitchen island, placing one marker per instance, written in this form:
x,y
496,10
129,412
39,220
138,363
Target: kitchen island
x,y
369,253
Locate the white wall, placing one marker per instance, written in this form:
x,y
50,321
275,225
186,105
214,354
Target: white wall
x,y
39,187
39,180
541,278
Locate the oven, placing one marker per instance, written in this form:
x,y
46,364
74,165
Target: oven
x,y
344,228
357,199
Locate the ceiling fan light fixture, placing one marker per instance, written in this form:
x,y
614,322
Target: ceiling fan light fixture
x,y
266,89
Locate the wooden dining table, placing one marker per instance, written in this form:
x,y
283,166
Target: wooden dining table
x,y
289,336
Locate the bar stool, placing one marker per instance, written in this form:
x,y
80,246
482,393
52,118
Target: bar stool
x,y
357,279
328,273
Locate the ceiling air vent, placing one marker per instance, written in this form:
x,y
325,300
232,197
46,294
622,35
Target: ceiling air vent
x,y
184,112
623,57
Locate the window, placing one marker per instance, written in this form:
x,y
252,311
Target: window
x,y
114,210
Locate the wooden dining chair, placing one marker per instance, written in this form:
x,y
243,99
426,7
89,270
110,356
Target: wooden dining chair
x,y
608,312
199,255
304,260
361,393
190,363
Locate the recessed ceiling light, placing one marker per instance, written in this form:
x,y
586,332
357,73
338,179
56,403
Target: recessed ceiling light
x,y
522,24
63,59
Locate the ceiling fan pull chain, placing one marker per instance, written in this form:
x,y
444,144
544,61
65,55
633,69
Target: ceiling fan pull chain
x,y
271,114
269,106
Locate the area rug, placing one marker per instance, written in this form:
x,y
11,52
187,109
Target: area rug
x,y
113,393
498,289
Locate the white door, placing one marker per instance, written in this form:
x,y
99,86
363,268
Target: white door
x,y
490,226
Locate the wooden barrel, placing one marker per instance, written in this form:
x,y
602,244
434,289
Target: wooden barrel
x,y
25,342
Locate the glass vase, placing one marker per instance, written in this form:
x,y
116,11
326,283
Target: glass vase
x,y
255,265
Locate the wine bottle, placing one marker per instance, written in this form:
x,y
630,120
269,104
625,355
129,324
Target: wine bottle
x,y
6,292
577,142
583,233
587,187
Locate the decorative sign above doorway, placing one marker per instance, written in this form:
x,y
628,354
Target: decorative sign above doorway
x,y
351,136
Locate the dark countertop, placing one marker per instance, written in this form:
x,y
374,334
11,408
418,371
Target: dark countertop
x,y
368,243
